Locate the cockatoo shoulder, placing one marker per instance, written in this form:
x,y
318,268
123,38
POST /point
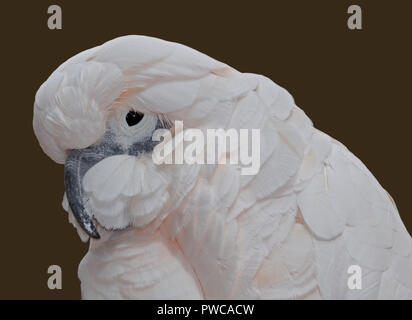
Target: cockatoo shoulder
x,y
353,222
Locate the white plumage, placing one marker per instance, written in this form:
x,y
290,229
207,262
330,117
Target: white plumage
x,y
205,231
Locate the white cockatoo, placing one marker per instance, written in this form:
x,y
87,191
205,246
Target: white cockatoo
x,y
312,223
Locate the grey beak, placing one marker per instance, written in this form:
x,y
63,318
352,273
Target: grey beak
x,y
77,163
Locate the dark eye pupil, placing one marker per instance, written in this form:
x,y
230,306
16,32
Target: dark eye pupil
x,y
133,118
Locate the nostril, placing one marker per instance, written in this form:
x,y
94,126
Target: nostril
x,y
133,118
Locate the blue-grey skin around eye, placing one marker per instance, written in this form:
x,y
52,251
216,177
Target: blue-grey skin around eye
x,y
79,161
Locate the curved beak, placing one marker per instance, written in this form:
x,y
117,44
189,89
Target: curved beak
x,y
77,163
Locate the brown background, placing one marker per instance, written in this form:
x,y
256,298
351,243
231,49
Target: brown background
x,y
355,85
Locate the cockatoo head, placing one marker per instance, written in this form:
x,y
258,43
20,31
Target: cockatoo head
x,y
97,113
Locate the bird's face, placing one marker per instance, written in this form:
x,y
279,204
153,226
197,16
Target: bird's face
x,y
97,113
128,136
106,146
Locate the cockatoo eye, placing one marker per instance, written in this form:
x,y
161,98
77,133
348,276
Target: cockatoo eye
x,y
133,118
